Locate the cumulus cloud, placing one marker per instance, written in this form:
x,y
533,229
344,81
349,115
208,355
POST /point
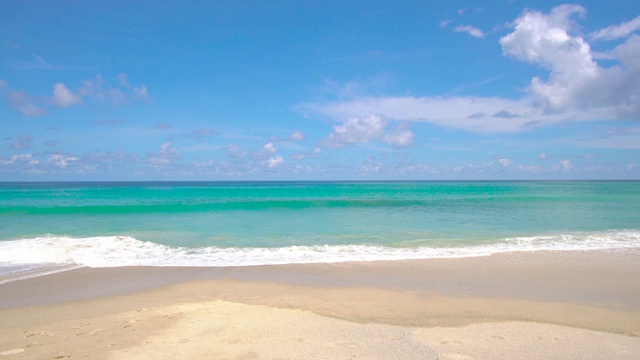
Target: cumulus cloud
x,y
235,152
61,161
473,31
616,31
168,151
22,158
94,90
269,148
566,165
296,136
576,81
355,130
505,162
265,152
577,88
274,161
165,155
363,129
63,97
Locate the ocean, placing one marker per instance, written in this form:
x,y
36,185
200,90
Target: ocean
x,y
51,227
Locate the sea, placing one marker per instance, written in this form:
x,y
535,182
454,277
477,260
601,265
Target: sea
x,y
47,227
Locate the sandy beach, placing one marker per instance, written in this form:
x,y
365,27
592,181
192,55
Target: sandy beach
x,y
536,305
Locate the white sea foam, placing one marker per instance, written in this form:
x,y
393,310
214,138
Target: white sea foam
x,y
37,256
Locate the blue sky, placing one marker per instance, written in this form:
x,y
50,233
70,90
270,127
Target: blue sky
x,y
319,90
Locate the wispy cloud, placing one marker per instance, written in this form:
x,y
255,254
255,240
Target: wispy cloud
x,y
23,142
294,136
94,90
473,31
201,134
616,31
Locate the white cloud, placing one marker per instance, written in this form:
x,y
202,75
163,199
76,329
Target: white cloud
x,y
370,165
576,81
542,156
470,113
124,80
566,165
265,152
399,138
61,160
444,23
274,161
22,158
204,164
473,31
269,148
97,89
141,92
356,130
577,87
235,152
63,97
296,136
529,168
165,155
505,162
616,31
363,129
167,151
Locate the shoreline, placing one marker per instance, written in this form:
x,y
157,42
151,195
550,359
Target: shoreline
x,y
589,276
590,298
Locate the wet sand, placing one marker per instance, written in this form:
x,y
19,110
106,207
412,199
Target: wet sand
x,y
540,305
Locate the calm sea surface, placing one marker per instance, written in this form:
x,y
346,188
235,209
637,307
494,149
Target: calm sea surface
x,y
46,227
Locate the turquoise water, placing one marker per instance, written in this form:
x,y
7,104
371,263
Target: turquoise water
x,y
245,223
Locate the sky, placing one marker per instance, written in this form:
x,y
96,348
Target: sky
x,y
319,90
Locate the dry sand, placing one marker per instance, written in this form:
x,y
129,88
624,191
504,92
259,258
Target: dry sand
x,y
563,305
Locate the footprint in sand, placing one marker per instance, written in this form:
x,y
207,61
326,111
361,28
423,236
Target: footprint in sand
x,y
93,332
11,352
30,333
